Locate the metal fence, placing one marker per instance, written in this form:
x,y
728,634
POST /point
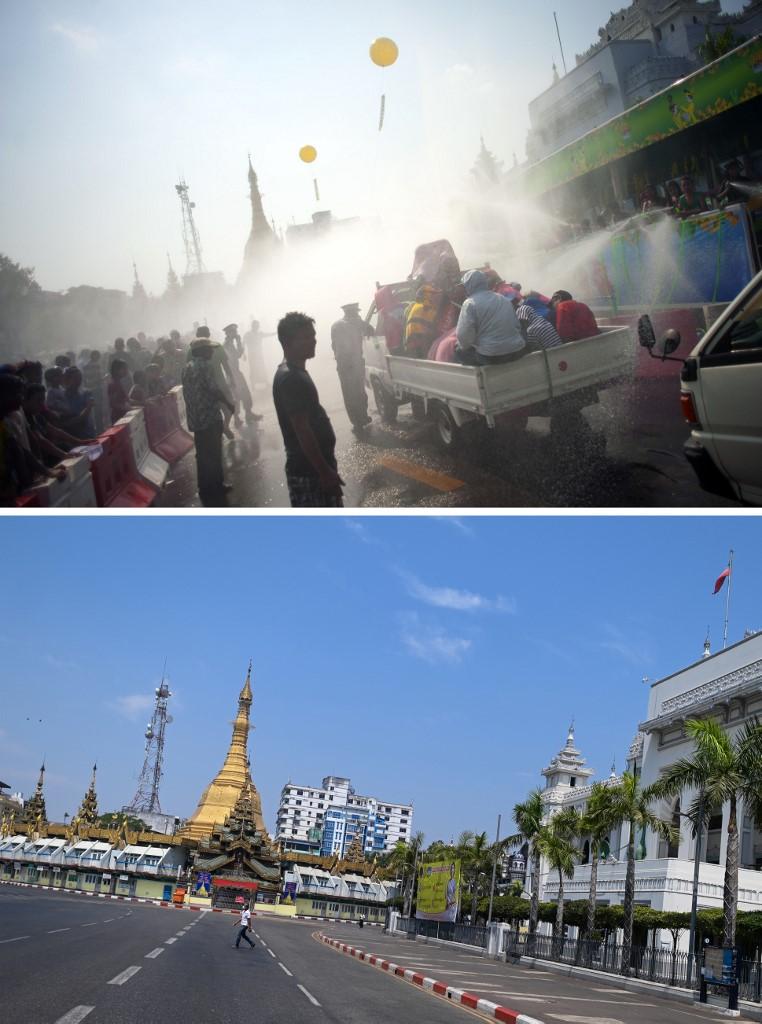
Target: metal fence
x,y
649,963
472,935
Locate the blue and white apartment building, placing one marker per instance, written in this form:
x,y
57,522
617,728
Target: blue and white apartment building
x,y
326,820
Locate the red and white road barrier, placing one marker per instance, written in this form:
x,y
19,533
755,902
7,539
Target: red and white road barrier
x,y
456,995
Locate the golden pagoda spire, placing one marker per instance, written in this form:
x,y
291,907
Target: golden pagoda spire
x,y
88,811
220,796
35,806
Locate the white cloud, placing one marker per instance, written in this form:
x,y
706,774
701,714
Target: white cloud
x,y
132,705
59,663
456,600
82,38
431,643
456,524
630,648
360,530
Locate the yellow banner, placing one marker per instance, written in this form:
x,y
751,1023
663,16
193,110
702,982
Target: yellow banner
x,y
438,894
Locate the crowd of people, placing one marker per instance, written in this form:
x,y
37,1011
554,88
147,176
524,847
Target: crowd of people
x,y
58,405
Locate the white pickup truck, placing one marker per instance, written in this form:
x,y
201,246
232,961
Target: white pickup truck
x,y
558,383
721,399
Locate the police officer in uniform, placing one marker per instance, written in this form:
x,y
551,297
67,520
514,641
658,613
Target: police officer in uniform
x,y
346,340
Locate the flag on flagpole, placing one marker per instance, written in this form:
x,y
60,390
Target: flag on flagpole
x,y
719,582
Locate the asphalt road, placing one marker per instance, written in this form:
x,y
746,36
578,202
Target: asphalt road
x,y
403,465
65,958
538,993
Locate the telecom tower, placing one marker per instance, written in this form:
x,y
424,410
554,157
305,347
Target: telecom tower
x,y
193,258
146,798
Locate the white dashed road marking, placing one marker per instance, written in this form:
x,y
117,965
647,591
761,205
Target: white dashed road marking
x,y
76,1015
179,935
271,953
54,930
18,938
284,968
309,995
124,976
168,942
108,920
90,924
154,953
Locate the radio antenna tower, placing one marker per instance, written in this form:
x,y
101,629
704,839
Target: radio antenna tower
x,y
146,798
193,260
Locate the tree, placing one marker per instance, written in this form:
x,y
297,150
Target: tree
x,y
631,806
476,857
403,863
726,771
110,819
528,817
596,823
554,841
717,46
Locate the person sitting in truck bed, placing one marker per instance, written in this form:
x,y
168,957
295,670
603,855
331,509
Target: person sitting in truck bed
x,y
539,332
422,325
488,331
573,320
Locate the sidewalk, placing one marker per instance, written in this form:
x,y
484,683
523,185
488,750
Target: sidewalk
x,y
535,992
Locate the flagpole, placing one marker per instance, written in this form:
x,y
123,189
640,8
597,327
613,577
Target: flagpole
x,y
727,600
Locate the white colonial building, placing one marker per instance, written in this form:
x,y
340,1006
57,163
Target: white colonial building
x,y
726,686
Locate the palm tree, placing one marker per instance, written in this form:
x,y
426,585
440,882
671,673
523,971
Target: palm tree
x,y
528,817
727,771
596,823
630,804
554,841
402,863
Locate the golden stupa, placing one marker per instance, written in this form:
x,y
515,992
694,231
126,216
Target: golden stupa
x,y
220,796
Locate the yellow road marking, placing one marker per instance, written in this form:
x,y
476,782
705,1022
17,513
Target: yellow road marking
x,y
430,477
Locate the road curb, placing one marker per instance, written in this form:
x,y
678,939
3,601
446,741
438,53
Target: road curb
x,y
456,995
333,920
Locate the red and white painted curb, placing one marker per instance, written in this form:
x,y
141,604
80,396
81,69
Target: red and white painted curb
x,y
456,995
106,895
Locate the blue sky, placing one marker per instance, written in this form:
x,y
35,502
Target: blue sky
x,y
432,660
113,101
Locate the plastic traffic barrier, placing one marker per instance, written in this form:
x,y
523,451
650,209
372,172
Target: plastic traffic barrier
x,y
177,391
165,433
74,491
115,474
151,466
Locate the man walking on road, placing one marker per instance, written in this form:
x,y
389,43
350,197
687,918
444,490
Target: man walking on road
x,y
311,469
346,339
243,925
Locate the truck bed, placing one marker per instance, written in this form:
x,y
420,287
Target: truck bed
x,y
536,378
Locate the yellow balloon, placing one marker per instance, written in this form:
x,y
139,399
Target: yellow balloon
x,y
307,154
384,52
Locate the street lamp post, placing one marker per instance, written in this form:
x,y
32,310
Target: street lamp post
x,y
694,900
494,872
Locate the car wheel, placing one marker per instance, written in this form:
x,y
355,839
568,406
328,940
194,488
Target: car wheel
x,y
385,403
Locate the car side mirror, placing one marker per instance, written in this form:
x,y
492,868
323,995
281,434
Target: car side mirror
x,y
646,333
670,342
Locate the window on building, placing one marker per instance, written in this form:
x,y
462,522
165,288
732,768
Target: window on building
x,y
672,28
573,781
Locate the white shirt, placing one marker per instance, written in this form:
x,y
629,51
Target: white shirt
x,y
245,917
